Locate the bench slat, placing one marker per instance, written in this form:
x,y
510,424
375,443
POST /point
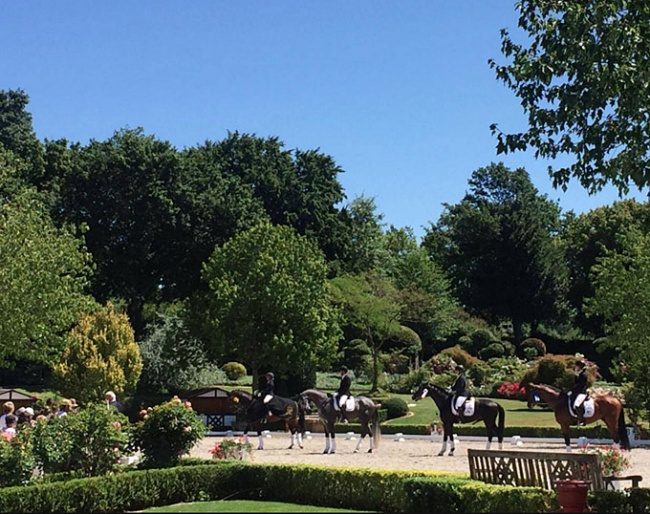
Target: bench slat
x,y
541,469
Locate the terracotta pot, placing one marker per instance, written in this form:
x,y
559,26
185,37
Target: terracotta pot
x,y
572,495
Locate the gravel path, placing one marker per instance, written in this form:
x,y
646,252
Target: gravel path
x,y
409,454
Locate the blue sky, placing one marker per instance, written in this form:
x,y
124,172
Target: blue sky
x,y
398,93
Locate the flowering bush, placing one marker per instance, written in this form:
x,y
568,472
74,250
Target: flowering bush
x,y
512,390
235,449
166,432
613,460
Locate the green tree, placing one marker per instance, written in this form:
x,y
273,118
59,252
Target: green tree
x,y
44,275
622,298
17,133
582,78
587,238
268,302
372,305
366,250
102,355
121,190
499,248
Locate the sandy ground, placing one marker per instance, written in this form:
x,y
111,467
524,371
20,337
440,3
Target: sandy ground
x,y
409,454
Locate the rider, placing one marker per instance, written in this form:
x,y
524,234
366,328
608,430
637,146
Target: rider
x,y
459,388
266,393
579,391
343,393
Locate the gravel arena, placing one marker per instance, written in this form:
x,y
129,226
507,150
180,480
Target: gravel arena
x,y
411,453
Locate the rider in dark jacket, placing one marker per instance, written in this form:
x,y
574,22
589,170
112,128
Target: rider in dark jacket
x,y
579,390
459,388
343,392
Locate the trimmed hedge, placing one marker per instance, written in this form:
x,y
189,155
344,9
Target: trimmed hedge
x,y
362,489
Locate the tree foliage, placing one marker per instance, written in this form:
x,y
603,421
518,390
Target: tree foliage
x,y
102,355
622,298
268,302
498,247
586,239
582,78
44,272
373,306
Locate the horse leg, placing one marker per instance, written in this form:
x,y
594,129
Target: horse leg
x,y
327,441
567,438
300,440
451,440
260,438
444,443
293,435
489,425
333,434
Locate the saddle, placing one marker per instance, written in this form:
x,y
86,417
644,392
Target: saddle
x,y
587,407
466,408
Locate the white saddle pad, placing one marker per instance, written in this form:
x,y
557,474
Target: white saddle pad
x,y
589,408
468,408
349,403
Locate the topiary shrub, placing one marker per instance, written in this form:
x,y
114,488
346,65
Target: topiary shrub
x,y
234,370
554,370
533,342
492,350
460,356
17,459
395,407
165,433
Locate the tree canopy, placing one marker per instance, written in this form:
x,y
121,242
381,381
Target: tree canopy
x,y
268,301
582,77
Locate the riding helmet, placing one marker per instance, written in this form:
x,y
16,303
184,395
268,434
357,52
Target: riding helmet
x,y
344,368
270,375
580,364
460,367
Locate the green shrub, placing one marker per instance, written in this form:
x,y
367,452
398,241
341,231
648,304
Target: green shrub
x,y
166,433
492,350
460,356
17,459
89,441
554,370
234,370
483,337
530,353
533,342
407,383
395,407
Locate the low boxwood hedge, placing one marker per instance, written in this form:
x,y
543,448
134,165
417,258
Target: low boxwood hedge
x,y
363,489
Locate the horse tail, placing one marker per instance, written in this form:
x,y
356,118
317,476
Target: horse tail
x,y
502,421
376,432
622,431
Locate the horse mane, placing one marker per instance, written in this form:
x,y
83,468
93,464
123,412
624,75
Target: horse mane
x,y
549,387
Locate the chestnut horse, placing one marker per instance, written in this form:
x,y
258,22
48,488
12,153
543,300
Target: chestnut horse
x,y
607,408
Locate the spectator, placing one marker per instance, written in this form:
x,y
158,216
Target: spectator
x,y
10,431
112,403
27,417
64,408
7,408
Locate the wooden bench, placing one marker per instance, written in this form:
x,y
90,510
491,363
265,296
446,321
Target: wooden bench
x,y
538,469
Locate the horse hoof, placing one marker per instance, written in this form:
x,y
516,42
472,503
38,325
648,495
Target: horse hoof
x,y
370,450
332,452
441,454
325,452
451,454
356,451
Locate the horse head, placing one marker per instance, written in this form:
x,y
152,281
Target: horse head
x,y
303,403
421,392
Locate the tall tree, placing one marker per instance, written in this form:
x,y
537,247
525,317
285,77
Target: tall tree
x,y
587,238
622,298
269,303
373,306
17,132
121,190
582,76
366,251
44,277
498,246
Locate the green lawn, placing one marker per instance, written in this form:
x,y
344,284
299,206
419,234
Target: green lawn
x,y
517,414
244,506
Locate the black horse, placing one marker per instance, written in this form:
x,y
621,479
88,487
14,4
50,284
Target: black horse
x,y
484,410
256,412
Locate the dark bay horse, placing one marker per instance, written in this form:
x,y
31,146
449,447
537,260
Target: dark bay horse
x,y
365,410
485,410
606,407
282,409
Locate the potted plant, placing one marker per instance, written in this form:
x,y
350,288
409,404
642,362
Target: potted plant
x,y
613,460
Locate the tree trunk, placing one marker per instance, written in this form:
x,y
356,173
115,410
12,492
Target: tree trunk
x,y
375,370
